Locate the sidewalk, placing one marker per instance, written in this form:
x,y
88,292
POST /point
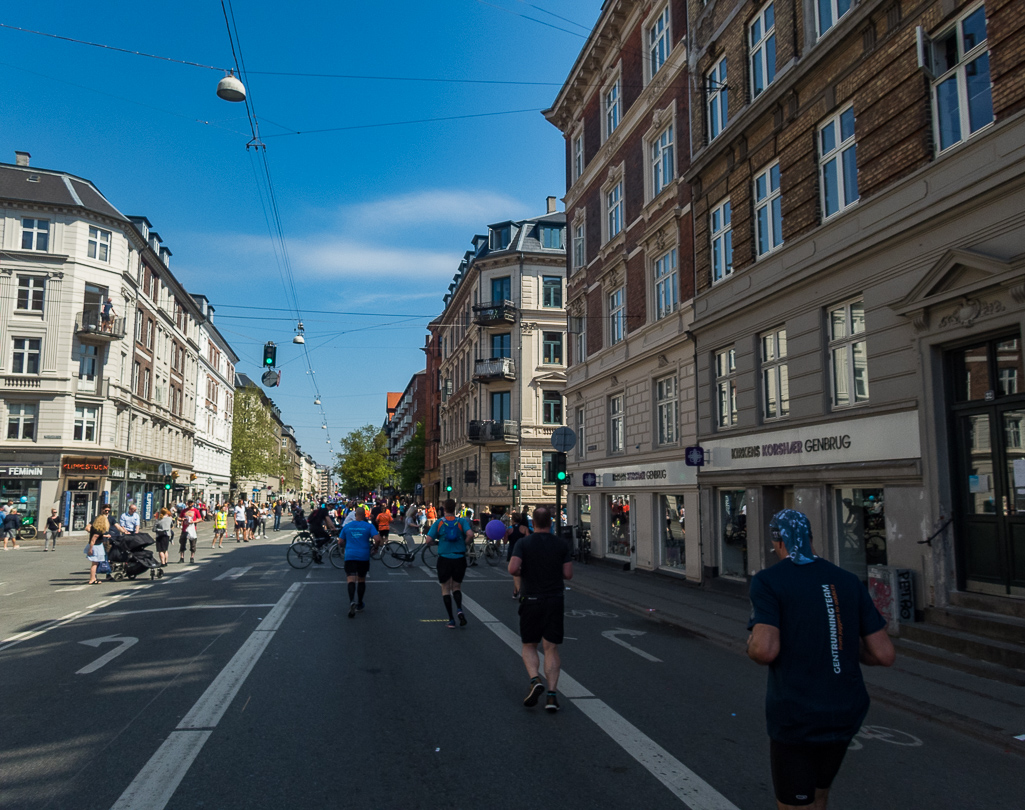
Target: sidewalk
x,y
987,709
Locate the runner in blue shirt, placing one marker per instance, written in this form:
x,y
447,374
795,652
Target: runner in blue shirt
x,y
454,537
355,540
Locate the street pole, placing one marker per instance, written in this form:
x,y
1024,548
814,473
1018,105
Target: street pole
x,y
558,509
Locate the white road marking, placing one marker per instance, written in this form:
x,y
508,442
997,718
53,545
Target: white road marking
x,y
233,573
182,607
72,588
611,635
18,638
156,783
123,642
686,785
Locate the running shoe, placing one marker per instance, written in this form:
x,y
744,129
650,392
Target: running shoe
x,y
359,607
451,625
462,619
352,609
552,703
536,688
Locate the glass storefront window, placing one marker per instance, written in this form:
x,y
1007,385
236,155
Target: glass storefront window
x,y
619,525
584,512
672,528
24,492
861,529
733,531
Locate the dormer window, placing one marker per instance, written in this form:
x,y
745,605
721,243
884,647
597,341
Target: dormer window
x,y
551,237
500,237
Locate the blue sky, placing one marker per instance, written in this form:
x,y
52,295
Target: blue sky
x,y
376,219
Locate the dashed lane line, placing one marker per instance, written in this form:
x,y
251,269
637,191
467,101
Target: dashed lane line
x,y
686,785
233,573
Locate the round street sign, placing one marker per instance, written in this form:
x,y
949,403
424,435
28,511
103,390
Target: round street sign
x,y
564,439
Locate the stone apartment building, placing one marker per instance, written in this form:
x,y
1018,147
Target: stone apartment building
x,y
502,341
624,111
92,408
858,172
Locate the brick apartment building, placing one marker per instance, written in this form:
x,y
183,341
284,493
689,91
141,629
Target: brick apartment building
x,y
630,385
858,176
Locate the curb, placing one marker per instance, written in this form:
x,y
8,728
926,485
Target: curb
x,y
920,708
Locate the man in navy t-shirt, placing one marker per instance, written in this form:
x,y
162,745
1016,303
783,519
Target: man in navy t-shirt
x,y
355,540
811,623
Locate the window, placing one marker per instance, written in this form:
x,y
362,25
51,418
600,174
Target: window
x,y
580,339
552,349
35,234
610,103
552,408
26,356
718,101
500,237
616,437
614,209
581,433
500,469
30,293
861,527
672,528
501,345
579,248
762,40
961,90
136,369
21,421
775,381
726,387
547,465
768,211
146,383
500,405
829,11
617,316
551,292
578,156
501,289
551,237
668,413
848,354
99,244
662,161
722,242
149,333
658,42
838,165
85,425
665,285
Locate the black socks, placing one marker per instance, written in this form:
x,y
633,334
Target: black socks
x,y
459,599
352,591
361,588
448,606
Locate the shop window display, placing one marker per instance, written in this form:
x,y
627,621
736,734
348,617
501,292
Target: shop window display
x,y
733,531
672,527
861,529
619,525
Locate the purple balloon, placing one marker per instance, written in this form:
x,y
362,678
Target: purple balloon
x,y
495,530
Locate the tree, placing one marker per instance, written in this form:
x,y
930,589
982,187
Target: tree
x,y
411,468
363,461
254,446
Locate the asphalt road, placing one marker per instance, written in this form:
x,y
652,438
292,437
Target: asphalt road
x,y
246,686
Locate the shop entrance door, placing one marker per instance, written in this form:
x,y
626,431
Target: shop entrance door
x,y
81,510
989,417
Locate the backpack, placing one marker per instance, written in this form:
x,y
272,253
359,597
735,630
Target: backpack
x,y
453,532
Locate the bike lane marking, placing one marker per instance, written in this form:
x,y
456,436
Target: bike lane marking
x,y
233,573
159,778
686,785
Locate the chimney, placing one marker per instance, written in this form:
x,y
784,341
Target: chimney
x,y
21,158
551,204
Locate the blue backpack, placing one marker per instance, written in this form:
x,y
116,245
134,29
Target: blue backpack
x,y
453,532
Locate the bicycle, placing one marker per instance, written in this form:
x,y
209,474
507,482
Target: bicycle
x,y
395,554
301,553
488,550
27,530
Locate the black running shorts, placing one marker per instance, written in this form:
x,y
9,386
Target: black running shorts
x,y
541,617
357,568
798,770
454,569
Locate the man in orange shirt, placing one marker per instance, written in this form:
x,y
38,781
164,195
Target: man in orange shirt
x,y
384,523
432,515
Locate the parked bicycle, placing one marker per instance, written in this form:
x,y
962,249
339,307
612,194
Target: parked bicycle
x,y
27,529
488,550
395,554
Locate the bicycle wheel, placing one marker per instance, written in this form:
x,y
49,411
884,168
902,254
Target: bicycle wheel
x,y
393,554
491,554
300,554
26,531
375,552
336,556
430,556
302,537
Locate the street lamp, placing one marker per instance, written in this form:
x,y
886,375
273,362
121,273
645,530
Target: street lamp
x,y
231,89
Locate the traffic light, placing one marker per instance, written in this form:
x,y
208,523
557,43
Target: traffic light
x,y
516,483
559,468
270,354
448,484
167,482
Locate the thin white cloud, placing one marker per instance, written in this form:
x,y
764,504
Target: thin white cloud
x,y
471,209
340,257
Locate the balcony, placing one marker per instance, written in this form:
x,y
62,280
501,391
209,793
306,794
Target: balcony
x,y
494,313
488,430
89,324
497,368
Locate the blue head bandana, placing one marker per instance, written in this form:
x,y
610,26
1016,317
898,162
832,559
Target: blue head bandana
x,y
793,530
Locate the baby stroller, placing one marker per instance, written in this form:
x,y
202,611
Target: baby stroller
x,y
129,557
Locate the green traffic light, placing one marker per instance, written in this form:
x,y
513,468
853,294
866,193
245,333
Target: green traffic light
x,y
561,475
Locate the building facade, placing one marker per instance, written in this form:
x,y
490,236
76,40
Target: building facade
x,y
432,416
631,380
93,405
214,411
502,338
410,410
859,192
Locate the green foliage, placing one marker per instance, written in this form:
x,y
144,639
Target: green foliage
x,y
411,468
254,444
363,461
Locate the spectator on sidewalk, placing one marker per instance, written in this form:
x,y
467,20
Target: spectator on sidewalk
x,y
811,622
278,510
54,524
129,520
163,530
11,522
